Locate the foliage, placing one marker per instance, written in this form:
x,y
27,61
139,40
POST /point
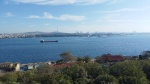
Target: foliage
x,y
55,78
59,61
127,72
85,59
125,68
145,55
28,76
80,59
75,72
81,81
146,69
66,56
94,69
45,68
106,79
9,78
132,80
100,59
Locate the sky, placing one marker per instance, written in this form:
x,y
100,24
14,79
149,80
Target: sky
x,y
18,16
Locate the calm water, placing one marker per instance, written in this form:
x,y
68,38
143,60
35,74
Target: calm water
x,y
26,50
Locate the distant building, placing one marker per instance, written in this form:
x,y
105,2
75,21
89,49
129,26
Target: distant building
x,y
26,67
64,65
30,66
9,67
113,58
110,58
93,60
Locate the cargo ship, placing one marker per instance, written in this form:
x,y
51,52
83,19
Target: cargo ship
x,y
48,41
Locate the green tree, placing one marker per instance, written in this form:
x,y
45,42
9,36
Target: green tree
x,y
87,59
20,76
9,78
28,77
93,70
81,81
45,68
146,54
75,71
66,56
129,73
106,79
140,57
1,82
132,80
55,78
59,61
80,59
146,69
127,69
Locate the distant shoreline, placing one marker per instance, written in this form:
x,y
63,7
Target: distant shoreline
x,y
37,35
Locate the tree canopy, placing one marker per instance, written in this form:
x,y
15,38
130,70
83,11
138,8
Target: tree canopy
x,y
66,56
126,72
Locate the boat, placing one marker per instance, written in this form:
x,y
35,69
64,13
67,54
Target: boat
x,y
48,41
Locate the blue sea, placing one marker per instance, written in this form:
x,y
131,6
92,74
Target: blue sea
x,y
25,50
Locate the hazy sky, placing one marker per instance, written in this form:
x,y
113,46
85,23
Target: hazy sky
x,y
74,15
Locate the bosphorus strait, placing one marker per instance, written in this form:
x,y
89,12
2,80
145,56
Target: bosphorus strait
x,y
25,50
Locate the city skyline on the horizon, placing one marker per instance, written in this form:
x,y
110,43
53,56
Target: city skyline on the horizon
x,y
18,16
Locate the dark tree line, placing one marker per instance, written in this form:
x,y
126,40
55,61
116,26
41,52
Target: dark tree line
x,y
132,72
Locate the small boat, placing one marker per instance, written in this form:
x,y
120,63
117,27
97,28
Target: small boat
x,y
48,41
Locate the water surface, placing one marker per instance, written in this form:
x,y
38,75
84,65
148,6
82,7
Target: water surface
x,y
26,50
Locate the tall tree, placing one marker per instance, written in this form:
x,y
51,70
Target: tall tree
x,y
93,70
66,56
87,59
106,79
146,54
75,71
10,78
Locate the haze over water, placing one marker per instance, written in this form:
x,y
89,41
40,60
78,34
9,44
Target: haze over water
x,y
27,50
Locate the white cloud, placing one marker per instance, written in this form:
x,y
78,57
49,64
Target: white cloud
x,y
9,14
34,16
63,2
115,1
124,10
63,17
115,16
48,16
70,17
110,16
46,24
